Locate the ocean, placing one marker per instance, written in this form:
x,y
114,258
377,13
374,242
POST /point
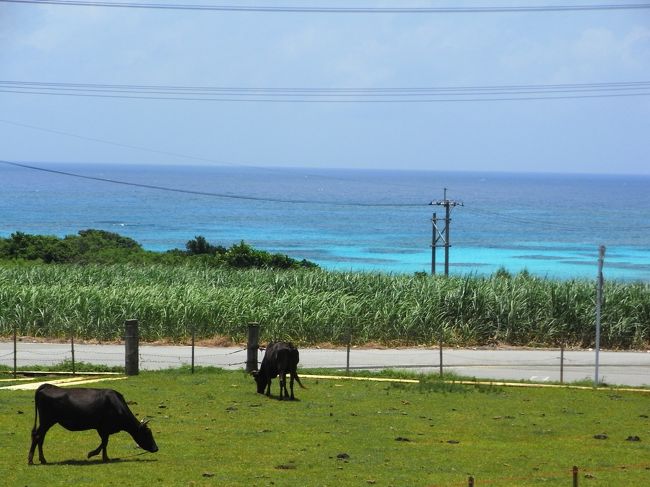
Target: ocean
x,y
349,220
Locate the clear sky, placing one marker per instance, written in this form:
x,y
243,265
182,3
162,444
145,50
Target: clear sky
x,y
329,51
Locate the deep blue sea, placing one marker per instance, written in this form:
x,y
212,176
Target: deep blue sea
x,y
370,220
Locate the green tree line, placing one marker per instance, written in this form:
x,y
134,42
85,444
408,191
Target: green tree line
x,y
101,247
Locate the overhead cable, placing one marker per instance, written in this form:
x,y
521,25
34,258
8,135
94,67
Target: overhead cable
x,y
204,193
510,218
341,10
121,144
178,155
332,95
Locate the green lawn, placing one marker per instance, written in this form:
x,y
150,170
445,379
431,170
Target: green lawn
x,y
213,429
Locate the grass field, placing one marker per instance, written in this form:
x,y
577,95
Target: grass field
x,y
213,429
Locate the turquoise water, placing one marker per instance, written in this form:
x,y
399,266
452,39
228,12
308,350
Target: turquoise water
x,y
550,225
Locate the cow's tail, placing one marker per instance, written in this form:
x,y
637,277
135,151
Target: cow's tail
x,y
35,417
295,376
35,410
296,359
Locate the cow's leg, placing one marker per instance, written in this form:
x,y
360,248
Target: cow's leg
x,y
30,456
104,452
283,385
291,385
101,447
38,437
268,388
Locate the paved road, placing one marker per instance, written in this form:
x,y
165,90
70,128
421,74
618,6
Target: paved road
x,y
623,368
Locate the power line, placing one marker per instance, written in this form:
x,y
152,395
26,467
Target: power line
x,y
305,100
168,153
120,144
504,217
332,95
516,219
204,193
329,91
340,10
534,221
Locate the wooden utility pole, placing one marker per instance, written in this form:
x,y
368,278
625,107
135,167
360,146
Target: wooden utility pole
x,y
442,234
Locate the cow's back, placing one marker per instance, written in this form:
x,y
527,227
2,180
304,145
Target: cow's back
x,y
80,409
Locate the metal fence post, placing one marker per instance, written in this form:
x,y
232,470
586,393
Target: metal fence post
x,y
575,476
347,359
131,343
15,353
252,346
562,364
441,366
72,350
193,340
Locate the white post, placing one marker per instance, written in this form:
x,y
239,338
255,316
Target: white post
x,y
599,300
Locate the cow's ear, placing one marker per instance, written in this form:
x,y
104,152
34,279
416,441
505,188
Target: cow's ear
x,y
144,422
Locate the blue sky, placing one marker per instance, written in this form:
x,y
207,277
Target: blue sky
x,y
72,44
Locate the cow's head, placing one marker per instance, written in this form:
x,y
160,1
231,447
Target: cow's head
x,y
261,381
144,438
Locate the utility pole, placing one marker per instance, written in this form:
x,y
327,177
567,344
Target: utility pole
x,y
435,236
599,301
442,234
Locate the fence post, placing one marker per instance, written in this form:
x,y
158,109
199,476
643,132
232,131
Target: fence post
x,y
441,357
347,357
131,343
72,350
562,364
193,340
575,476
15,353
470,481
252,346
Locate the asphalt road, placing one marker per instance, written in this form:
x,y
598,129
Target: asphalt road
x,y
621,368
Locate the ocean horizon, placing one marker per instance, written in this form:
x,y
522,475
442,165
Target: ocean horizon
x,y
550,225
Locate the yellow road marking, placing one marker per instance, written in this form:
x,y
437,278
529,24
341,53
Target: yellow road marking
x,y
373,379
483,383
59,382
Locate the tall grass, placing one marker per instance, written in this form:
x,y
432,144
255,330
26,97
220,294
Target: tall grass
x,y
311,307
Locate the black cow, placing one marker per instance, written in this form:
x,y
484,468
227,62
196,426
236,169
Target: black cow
x,y
78,409
280,358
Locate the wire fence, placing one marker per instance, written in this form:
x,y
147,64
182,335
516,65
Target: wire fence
x,y
549,365
26,354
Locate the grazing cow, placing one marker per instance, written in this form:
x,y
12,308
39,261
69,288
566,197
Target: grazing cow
x,y
78,409
280,358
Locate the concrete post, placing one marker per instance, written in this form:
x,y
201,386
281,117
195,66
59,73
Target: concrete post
x,y
131,344
252,346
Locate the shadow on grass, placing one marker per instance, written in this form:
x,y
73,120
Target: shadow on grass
x,y
89,463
